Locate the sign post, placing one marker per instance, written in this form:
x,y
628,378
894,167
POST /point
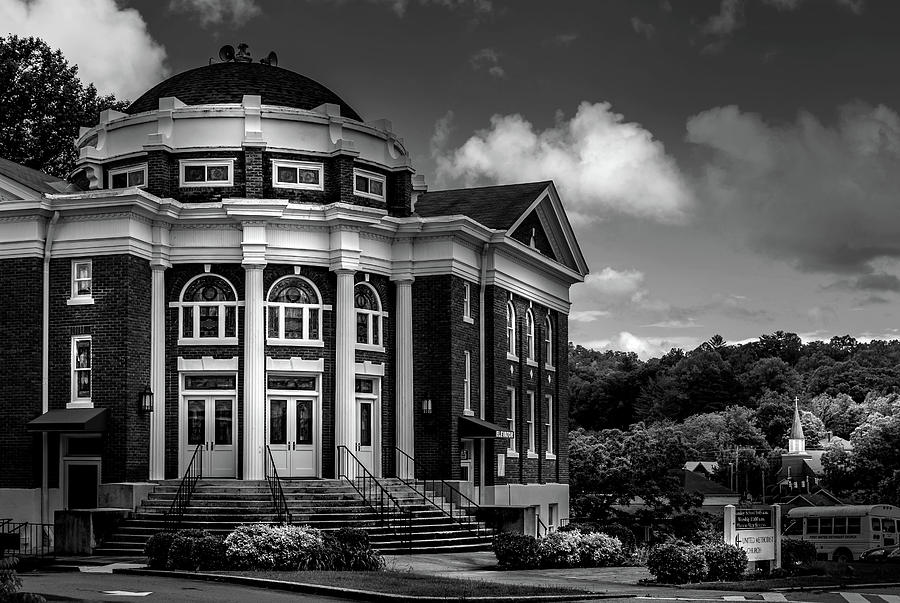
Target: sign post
x,y
756,530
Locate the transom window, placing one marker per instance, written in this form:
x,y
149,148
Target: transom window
x,y
82,279
125,177
208,311
368,315
368,184
529,335
206,172
81,368
510,330
297,175
548,341
294,314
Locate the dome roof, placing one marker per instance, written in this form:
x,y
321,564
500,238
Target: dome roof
x,y
229,82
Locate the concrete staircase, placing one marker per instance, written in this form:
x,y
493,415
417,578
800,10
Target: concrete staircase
x,y
218,506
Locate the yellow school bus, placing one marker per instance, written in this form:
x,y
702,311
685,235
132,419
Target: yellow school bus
x,y
843,532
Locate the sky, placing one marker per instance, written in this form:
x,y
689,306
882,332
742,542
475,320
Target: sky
x,y
729,166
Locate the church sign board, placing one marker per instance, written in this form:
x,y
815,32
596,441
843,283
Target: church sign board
x,y
755,530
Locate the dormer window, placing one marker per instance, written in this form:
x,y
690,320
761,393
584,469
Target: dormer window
x,y
128,177
368,184
302,175
206,172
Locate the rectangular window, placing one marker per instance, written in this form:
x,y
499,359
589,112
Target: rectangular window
x,y
301,175
206,172
368,184
467,302
304,383
511,397
128,177
467,384
549,453
876,524
853,525
826,525
195,382
529,422
81,368
840,525
82,279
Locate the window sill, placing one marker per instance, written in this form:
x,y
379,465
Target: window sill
x,y
550,367
369,196
80,301
368,347
532,455
468,320
208,341
549,456
468,412
512,454
530,362
80,404
298,187
302,343
512,357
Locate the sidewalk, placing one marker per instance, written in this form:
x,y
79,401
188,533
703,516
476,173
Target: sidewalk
x,y
483,566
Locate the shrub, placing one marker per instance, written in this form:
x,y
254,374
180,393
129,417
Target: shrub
x,y
9,579
157,549
724,561
560,549
677,562
354,552
516,551
796,553
623,533
194,550
697,527
601,550
273,547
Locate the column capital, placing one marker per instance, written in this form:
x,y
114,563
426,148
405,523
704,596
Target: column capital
x,y
159,265
253,264
344,271
403,279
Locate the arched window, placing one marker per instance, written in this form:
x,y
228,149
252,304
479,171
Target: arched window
x,y
294,311
369,327
548,341
208,310
510,329
529,335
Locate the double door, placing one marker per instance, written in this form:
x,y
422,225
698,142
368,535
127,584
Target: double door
x,y
210,424
292,435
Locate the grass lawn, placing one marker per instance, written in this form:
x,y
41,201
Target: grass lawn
x,y
835,573
408,583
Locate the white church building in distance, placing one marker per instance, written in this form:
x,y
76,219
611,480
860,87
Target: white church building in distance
x,y
243,268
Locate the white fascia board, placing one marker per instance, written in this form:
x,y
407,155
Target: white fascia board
x,y
537,260
18,189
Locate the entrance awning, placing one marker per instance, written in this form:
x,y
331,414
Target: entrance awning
x,y
70,420
473,428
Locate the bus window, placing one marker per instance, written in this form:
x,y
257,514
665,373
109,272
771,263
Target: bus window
x,y
812,525
826,525
853,525
888,525
876,524
840,525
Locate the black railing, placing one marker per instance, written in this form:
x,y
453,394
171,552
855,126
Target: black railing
x,y
278,500
193,473
457,506
390,512
25,539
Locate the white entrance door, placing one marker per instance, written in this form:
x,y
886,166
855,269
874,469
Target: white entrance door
x,y
292,435
365,437
210,424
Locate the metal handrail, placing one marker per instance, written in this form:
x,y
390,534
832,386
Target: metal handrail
x,y
26,539
390,512
275,489
175,515
459,513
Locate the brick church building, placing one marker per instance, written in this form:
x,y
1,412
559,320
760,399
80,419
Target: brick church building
x,y
242,266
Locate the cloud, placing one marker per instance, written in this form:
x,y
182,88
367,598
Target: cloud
x,y
587,315
821,316
822,197
729,18
615,285
110,45
564,39
676,323
216,12
877,281
400,6
487,59
601,163
643,28
644,347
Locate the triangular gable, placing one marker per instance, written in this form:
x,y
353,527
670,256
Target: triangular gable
x,y
12,190
552,232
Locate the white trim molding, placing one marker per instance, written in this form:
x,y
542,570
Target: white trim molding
x,y
295,364
208,363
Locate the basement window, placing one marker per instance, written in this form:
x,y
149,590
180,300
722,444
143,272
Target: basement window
x,y
302,175
368,184
128,177
206,172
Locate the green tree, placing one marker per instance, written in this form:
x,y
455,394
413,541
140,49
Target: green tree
x,y
840,413
43,104
770,374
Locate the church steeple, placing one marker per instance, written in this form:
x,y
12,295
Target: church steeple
x,y
797,441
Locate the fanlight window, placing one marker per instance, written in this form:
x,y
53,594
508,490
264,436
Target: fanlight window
x,y
368,315
208,309
294,311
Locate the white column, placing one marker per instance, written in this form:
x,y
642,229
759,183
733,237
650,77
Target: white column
x,y
254,373
404,387
345,367
158,371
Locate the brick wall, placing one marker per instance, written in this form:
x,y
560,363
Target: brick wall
x,y
253,172
399,193
20,366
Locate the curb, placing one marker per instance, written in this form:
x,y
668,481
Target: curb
x,y
350,593
828,586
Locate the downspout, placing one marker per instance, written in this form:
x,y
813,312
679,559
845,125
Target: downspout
x,y
45,366
482,284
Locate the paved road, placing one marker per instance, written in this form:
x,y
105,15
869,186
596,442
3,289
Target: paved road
x,y
864,595
73,586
